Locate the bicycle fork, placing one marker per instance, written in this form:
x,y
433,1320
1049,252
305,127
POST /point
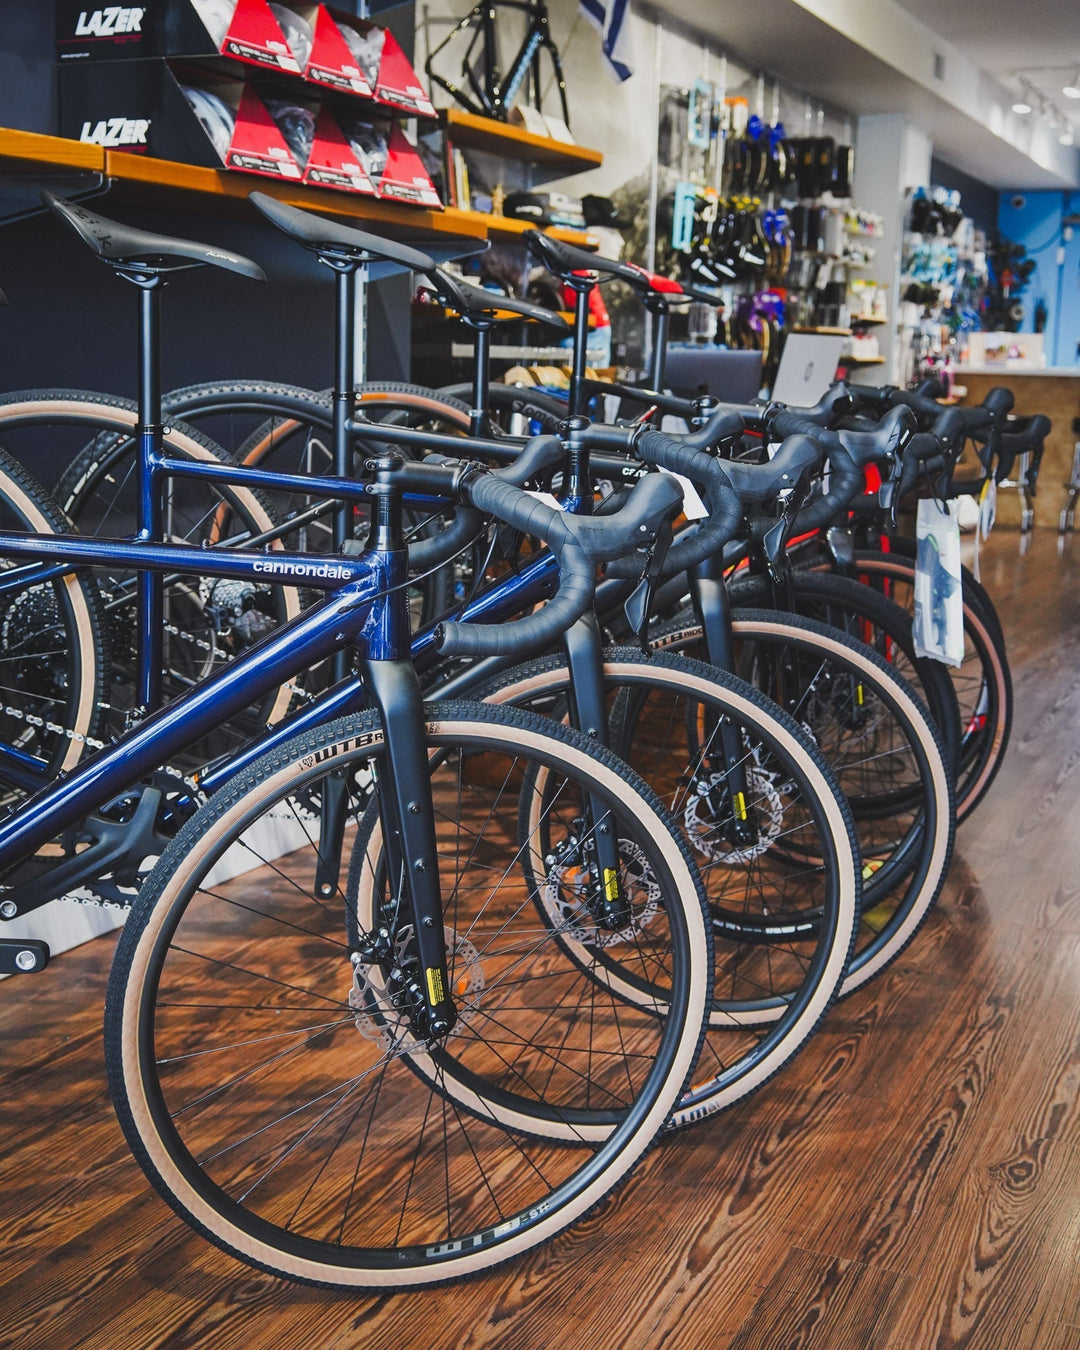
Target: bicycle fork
x,y
713,609
407,816
588,712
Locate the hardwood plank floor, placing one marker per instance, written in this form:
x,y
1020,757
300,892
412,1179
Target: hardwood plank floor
x,y
912,1182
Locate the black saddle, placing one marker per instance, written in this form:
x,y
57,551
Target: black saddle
x,y
476,303
138,250
329,237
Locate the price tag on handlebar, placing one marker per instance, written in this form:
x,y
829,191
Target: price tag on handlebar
x,y
693,507
547,498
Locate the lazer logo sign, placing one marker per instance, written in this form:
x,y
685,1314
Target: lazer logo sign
x,y
290,569
109,22
116,131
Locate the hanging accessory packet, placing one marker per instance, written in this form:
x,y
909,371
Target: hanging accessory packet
x,y
939,602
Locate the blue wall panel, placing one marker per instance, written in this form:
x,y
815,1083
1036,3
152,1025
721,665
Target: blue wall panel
x,y
1038,225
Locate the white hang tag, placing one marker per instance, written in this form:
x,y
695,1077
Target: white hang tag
x,y
693,507
547,499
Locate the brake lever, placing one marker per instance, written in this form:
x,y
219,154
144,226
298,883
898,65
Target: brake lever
x,y
638,604
775,539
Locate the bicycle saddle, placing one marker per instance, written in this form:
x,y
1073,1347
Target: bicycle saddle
x,y
123,246
474,300
328,236
566,260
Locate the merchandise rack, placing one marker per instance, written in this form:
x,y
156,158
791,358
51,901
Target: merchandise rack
x,y
145,181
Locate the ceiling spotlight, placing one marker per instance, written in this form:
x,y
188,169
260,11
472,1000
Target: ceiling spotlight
x,y
1065,136
1021,106
1072,89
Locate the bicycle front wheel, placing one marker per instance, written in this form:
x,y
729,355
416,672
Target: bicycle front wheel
x,y
277,1092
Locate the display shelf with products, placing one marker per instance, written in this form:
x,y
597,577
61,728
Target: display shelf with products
x,y
143,180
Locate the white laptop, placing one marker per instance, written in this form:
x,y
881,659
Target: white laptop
x,y
807,368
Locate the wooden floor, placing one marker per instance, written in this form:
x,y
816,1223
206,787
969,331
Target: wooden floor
x,y
913,1182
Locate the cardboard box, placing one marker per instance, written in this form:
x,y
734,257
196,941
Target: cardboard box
x,y
392,161
245,30
334,162
174,112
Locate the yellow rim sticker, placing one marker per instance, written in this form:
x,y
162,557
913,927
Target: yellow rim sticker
x,y
860,696
870,867
739,802
611,884
436,992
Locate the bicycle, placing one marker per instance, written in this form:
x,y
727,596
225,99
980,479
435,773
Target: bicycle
x,y
491,93
402,994
774,1007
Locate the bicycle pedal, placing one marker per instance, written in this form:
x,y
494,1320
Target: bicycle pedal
x,y
23,956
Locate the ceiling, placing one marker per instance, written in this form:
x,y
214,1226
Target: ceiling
x,y
808,44
1038,38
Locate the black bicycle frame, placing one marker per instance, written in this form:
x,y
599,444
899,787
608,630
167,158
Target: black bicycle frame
x,y
493,95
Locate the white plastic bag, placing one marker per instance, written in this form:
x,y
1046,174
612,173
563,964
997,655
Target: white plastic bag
x,y
939,600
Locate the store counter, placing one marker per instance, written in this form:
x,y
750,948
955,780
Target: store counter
x,y
1055,392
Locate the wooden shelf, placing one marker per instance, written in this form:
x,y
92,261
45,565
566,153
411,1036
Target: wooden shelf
x,y
860,321
469,132
143,180
861,361
830,332
28,150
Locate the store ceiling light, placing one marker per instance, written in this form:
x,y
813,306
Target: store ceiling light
x,y
1065,136
1072,89
1021,106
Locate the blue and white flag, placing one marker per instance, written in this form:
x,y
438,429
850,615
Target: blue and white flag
x,y
611,19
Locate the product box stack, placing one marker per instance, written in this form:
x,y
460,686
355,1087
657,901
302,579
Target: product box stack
x,y
301,92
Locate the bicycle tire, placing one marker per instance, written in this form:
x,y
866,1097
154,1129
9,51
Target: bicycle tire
x,y
508,401
769,996
897,899
441,1230
206,620
53,654
983,684
868,617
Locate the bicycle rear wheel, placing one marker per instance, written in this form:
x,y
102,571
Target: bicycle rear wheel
x,y
207,621
270,1086
53,661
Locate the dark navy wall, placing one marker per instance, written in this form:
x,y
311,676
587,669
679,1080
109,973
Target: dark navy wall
x,y
1039,224
978,200
71,323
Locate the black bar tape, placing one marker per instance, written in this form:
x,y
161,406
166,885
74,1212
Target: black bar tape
x,y
520,638
425,554
710,475
538,455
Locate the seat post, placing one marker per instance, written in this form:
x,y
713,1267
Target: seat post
x,y
481,327
151,517
660,314
582,288
344,385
